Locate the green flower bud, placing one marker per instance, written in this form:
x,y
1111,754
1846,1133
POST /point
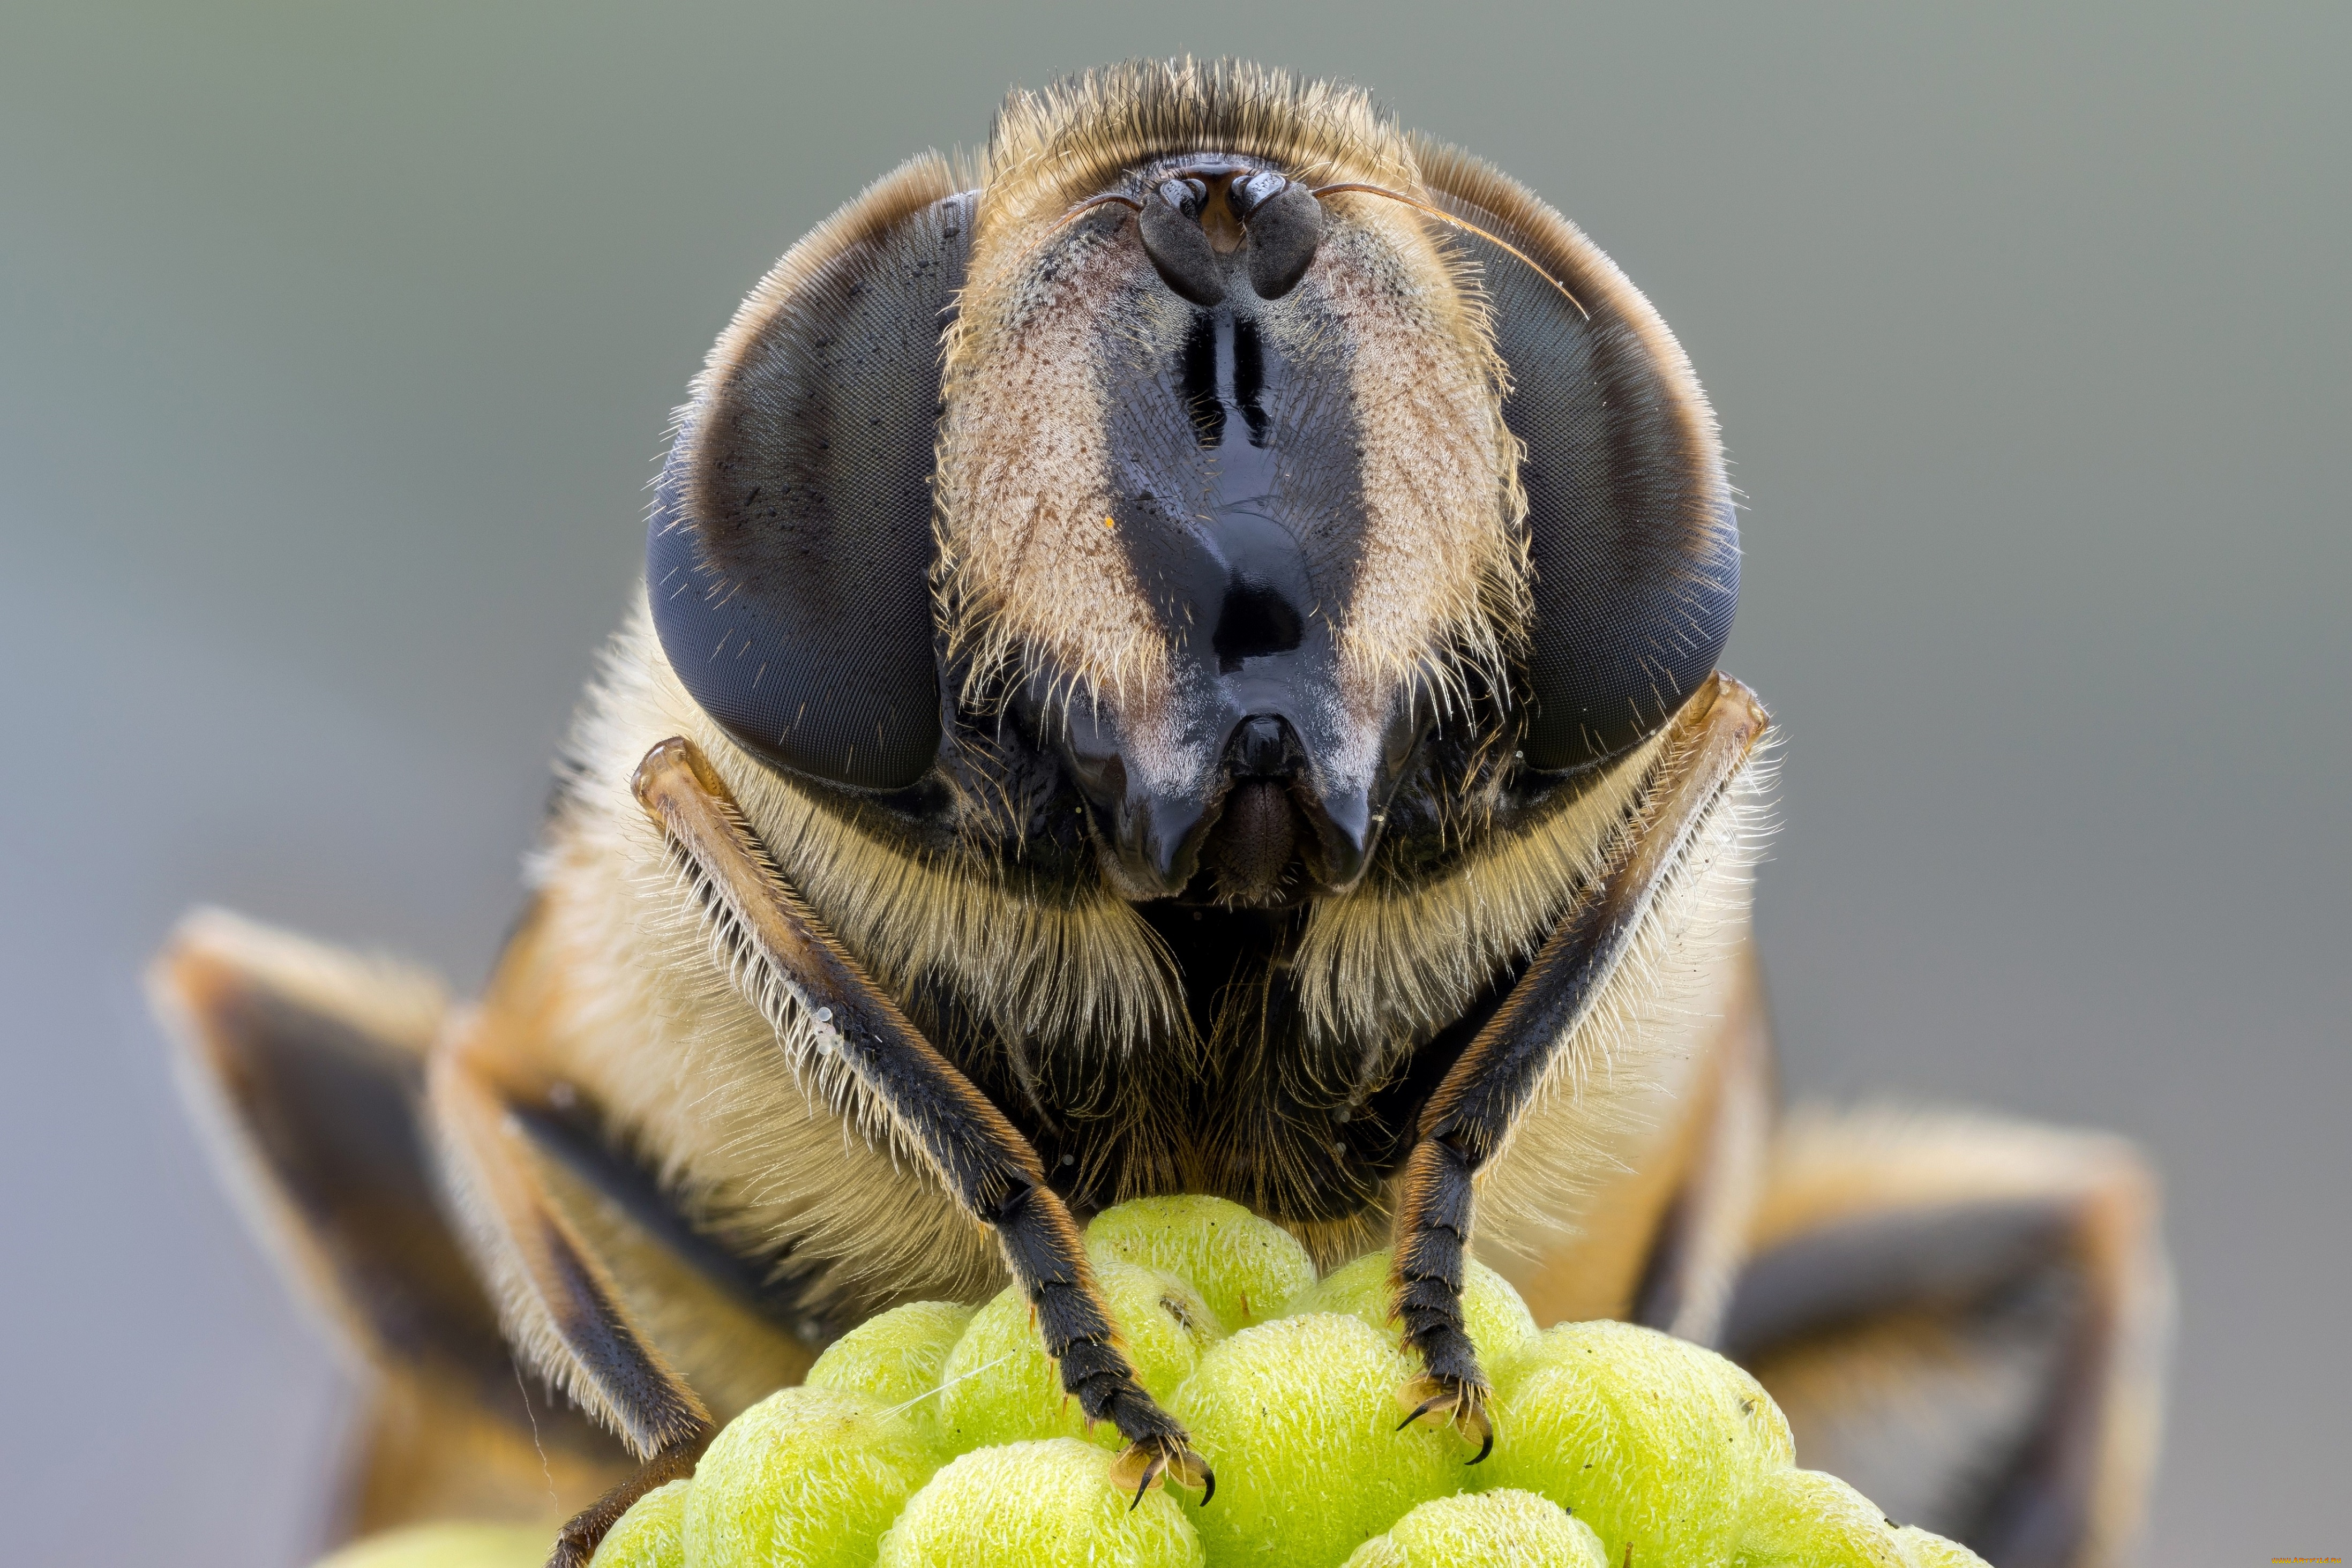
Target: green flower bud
x,y
1481,1530
895,1359
808,1477
998,1385
1299,1417
652,1534
1048,1504
1496,1320
1244,1266
1652,1441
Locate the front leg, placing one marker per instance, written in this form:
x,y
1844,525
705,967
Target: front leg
x,y
936,1114
1481,1097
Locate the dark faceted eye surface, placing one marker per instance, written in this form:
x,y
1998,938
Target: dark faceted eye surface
x,y
789,549
1630,531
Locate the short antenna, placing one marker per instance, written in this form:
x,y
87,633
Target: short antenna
x,y
1443,215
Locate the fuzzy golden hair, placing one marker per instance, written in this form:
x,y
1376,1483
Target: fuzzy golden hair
x,y
649,1015
1027,567
1102,1022
644,1011
1056,146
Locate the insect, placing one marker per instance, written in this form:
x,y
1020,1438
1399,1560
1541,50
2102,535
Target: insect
x,y
1178,658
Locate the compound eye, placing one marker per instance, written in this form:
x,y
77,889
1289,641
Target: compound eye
x,y
789,556
1630,525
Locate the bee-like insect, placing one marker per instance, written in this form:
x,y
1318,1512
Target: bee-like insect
x,y
1178,658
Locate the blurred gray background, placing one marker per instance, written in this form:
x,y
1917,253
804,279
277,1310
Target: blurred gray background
x,y
335,347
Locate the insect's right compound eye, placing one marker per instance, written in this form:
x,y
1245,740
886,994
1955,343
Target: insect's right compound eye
x,y
789,556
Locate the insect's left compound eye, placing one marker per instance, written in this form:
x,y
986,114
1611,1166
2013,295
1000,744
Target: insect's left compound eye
x,y
1631,534
789,556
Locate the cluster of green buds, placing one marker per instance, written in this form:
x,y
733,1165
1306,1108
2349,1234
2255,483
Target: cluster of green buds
x,y
937,1436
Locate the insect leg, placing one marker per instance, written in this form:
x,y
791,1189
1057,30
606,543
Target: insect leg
x,y
797,971
305,1065
1967,1318
559,1306
1479,1100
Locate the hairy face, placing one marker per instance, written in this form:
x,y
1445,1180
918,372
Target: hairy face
x,y
1213,495
1229,558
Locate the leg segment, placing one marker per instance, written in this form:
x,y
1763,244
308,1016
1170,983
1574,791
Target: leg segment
x,y
855,1043
1966,1318
1661,1236
1476,1104
604,1282
557,1303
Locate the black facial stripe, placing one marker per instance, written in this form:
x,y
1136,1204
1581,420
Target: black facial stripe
x,y
1254,620
1244,535
1200,381
1267,490
1249,379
